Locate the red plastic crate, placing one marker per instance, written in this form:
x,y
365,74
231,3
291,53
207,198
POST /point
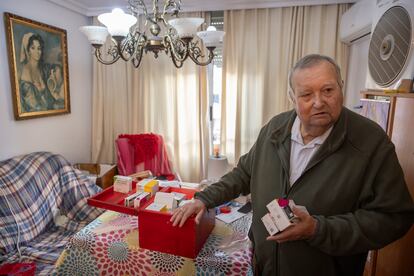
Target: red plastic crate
x,y
110,200
157,233
155,229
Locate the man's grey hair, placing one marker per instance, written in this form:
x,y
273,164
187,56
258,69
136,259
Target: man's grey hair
x,y
311,60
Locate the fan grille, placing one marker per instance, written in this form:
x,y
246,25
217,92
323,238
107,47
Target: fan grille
x,y
390,46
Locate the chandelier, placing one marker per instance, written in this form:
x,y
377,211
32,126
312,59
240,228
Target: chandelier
x,y
129,43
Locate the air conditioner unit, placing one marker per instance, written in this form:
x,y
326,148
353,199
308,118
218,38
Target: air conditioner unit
x,y
391,48
357,21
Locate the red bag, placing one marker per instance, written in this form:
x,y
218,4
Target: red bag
x,y
18,269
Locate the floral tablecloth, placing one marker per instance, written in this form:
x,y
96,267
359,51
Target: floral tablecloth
x,y
109,246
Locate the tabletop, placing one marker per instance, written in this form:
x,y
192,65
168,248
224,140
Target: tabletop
x,y
109,246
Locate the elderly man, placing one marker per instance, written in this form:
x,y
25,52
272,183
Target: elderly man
x,y
338,164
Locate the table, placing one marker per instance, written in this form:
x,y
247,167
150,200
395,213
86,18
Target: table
x,y
109,246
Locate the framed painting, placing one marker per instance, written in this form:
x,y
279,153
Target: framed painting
x,y
38,60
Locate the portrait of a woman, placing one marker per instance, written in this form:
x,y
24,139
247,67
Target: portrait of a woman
x,y
40,82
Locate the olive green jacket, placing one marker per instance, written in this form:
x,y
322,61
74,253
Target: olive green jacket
x,y
353,185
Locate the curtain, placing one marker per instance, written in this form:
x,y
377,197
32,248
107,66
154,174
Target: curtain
x,y
260,47
156,98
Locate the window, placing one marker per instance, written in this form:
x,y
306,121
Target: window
x,y
215,86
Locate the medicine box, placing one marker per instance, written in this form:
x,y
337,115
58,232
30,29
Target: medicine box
x,y
270,224
157,233
157,207
281,212
167,199
129,200
141,199
122,184
110,200
148,185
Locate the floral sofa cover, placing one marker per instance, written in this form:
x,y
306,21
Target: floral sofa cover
x,y
42,204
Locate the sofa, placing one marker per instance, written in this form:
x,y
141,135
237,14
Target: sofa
x,y
43,202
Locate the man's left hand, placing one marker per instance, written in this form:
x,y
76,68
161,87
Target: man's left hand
x,y
303,227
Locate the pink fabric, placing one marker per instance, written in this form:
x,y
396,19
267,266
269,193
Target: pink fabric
x,y
125,156
138,152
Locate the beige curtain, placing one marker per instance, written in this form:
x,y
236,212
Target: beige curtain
x,y
156,98
260,47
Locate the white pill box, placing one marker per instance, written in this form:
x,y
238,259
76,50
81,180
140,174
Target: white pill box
x,y
141,199
122,184
280,217
179,196
129,200
270,224
157,207
167,199
281,212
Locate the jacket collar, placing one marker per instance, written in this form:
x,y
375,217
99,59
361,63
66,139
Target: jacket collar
x,y
334,140
283,131
280,137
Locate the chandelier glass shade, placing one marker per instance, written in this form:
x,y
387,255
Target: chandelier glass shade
x,y
129,43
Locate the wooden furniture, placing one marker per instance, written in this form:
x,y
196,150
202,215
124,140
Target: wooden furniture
x,y
103,179
397,259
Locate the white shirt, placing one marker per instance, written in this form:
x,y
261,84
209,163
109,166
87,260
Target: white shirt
x,y
300,154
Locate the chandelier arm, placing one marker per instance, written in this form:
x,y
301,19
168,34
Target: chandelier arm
x,y
195,55
122,47
128,47
177,63
176,7
134,4
155,10
141,42
98,55
167,3
136,60
165,22
134,7
169,44
164,12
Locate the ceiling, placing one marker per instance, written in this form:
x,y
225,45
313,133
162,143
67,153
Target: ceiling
x,y
95,7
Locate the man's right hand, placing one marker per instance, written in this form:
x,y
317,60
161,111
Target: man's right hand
x,y
180,215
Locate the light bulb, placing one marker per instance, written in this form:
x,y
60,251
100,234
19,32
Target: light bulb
x,y
211,37
117,22
117,11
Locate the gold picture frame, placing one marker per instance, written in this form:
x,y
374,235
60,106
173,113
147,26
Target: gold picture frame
x,y
38,60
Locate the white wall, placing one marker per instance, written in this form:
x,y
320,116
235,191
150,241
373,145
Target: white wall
x,y
357,71
69,134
